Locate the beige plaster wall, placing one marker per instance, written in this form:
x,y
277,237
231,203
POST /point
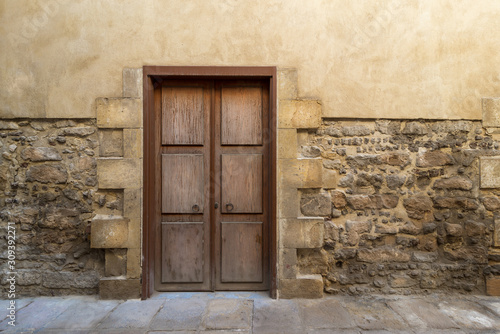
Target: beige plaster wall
x,y
384,58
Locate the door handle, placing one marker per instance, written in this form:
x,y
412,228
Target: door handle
x,y
229,207
196,208
216,205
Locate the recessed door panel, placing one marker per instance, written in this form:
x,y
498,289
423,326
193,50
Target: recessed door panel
x,y
241,252
182,116
182,183
241,116
182,249
241,183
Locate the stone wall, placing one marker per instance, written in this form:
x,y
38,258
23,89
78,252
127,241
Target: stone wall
x,y
48,183
405,212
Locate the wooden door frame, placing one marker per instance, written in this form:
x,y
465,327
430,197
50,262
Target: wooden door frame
x,y
152,75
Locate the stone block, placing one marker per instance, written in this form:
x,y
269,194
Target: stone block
x,y
395,159
490,172
300,173
116,173
491,203
47,174
288,263
132,143
491,112
134,233
496,233
287,83
132,202
356,131
415,128
41,154
119,113
302,233
134,263
382,254
329,178
287,144
455,182
58,280
288,202
132,82
109,232
299,114
7,125
402,281
78,131
315,204
119,288
434,159
115,263
304,286
110,143
416,206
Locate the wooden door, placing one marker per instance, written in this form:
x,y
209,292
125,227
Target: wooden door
x,y
213,231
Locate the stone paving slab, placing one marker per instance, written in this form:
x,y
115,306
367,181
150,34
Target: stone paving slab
x,y
419,313
228,314
64,331
333,331
276,316
325,313
120,331
374,314
19,303
469,314
38,313
493,306
180,314
85,315
132,314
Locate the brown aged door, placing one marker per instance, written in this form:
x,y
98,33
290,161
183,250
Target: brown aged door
x,y
212,172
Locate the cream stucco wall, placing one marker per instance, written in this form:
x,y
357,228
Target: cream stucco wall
x,y
384,58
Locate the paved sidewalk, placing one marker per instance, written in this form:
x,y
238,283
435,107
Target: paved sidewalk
x,y
255,313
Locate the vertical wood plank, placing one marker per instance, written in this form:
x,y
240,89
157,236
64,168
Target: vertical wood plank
x,y
241,118
182,183
182,116
182,250
241,252
241,183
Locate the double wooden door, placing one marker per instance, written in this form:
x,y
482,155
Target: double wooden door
x,y
212,168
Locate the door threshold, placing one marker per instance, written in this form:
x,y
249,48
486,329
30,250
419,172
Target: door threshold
x,y
212,295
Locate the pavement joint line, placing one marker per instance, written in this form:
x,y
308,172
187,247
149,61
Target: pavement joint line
x,y
388,306
485,308
253,312
107,315
154,316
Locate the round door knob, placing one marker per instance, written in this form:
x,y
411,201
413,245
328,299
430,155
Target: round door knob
x,y
229,207
196,208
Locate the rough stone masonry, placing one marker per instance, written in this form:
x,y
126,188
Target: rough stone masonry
x,y
407,214
48,183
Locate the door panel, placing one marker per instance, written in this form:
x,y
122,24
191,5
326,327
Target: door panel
x,y
241,116
182,183
241,253
241,183
213,222
182,116
182,243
